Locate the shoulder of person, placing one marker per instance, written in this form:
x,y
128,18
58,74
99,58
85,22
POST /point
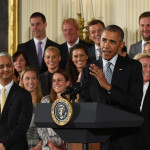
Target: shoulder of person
x,y
52,43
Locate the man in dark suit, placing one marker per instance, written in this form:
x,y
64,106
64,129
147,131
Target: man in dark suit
x,y
144,134
30,48
52,58
125,89
71,30
144,23
95,28
16,108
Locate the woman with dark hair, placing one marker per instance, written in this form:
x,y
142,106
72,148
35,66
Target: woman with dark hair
x,y
78,59
60,81
19,61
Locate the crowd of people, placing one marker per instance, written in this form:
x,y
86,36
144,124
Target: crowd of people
x,y
41,70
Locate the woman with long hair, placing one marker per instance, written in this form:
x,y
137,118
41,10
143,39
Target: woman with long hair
x,y
29,81
60,81
78,59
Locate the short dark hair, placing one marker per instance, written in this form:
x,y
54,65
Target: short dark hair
x,y
17,54
144,14
95,21
115,28
38,14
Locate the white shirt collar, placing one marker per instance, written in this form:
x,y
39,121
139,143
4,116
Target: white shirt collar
x,y
113,60
145,87
143,44
42,45
69,46
7,87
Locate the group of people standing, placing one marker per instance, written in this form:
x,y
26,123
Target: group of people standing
x,y
45,69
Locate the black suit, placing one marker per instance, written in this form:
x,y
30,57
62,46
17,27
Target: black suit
x,y
30,50
126,91
91,53
144,134
15,119
46,82
65,54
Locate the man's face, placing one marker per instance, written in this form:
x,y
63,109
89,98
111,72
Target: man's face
x,y
70,33
147,48
95,33
6,70
110,44
146,69
145,28
38,28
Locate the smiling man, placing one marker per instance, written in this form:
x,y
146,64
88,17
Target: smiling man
x,y
144,26
95,28
15,108
123,89
34,48
71,30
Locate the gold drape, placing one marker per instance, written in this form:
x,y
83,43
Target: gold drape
x,y
12,26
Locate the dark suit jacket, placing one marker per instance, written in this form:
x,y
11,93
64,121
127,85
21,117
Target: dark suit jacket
x,y
15,119
91,54
30,50
126,92
65,54
144,133
46,82
135,49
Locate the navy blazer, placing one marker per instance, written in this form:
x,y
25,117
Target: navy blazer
x,y
30,51
91,54
65,54
135,49
15,119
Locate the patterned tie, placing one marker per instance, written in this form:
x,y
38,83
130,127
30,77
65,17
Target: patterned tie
x,y
39,53
108,72
3,99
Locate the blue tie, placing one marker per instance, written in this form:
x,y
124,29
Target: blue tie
x,y
108,72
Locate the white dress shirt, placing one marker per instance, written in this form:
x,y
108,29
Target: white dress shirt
x,y
69,46
145,87
97,52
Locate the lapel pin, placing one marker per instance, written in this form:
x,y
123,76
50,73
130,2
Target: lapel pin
x,y
120,69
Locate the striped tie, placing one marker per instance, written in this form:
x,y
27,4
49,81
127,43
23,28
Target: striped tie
x,y
108,72
3,99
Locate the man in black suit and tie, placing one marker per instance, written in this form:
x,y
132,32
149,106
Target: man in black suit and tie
x,y
114,80
144,24
144,134
16,108
34,48
95,28
71,30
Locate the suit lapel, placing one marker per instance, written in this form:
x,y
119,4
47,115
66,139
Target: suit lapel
x,y
9,99
118,69
139,47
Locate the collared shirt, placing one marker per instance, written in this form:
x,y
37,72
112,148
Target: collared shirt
x,y
42,45
7,87
143,45
69,46
97,52
145,87
113,62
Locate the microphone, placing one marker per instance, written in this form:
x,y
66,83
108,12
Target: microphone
x,y
74,89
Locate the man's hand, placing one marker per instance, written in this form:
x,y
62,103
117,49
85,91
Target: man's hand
x,y
52,146
2,146
99,75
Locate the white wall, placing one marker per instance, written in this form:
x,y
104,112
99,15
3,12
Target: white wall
x,y
124,13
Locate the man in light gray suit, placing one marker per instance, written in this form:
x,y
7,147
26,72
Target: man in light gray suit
x,y
144,26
